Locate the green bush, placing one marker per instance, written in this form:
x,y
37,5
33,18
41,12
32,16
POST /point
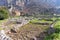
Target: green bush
x,y
55,35
1,16
3,13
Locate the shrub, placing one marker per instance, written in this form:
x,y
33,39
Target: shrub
x,y
3,13
1,16
55,35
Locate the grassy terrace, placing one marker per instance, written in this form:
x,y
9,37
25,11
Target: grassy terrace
x,y
31,29
37,29
2,21
41,21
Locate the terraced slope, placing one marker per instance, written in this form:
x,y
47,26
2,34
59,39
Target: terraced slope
x,y
28,32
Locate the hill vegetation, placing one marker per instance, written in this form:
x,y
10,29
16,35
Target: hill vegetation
x,y
3,13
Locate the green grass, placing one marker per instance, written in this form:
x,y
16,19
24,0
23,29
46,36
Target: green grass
x,y
56,34
1,21
40,21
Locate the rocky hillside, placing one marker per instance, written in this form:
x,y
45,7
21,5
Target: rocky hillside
x,y
29,32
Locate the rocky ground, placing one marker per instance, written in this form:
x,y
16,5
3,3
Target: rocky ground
x,y
21,29
28,32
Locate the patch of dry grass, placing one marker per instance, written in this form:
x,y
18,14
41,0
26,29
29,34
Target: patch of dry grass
x,y
28,31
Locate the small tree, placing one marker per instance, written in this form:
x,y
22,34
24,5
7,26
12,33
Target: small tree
x,y
3,13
